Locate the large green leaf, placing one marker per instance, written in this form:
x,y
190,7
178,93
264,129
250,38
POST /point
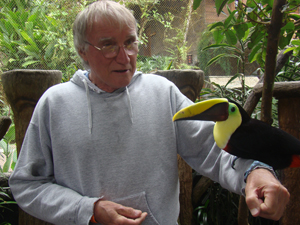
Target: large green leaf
x,y
253,54
227,22
49,51
10,134
218,37
14,159
31,42
7,163
196,4
3,144
220,5
256,37
216,58
214,25
231,79
221,45
29,62
231,37
240,30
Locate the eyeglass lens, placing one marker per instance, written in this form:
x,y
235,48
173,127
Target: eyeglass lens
x,y
113,50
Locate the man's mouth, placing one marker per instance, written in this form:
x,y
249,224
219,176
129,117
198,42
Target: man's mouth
x,y
121,71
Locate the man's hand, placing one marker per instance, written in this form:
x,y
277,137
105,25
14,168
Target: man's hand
x,y
265,195
110,213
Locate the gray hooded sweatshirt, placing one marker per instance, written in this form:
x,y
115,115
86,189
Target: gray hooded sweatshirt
x,y
84,144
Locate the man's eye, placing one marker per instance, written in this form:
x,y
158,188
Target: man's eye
x,y
129,42
106,45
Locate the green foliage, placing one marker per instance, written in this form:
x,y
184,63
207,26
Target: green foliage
x,y
201,213
232,39
250,22
4,202
291,70
174,37
217,207
179,48
148,14
151,64
34,38
9,154
3,195
205,55
224,91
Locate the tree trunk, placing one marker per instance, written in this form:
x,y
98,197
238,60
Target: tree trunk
x,y
270,66
23,88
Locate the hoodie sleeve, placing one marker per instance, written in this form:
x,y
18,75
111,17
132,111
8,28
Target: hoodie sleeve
x,y
197,147
34,186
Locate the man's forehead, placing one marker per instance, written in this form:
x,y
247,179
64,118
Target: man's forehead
x,y
108,38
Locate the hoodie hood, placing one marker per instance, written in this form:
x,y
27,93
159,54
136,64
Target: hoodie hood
x,y
82,75
81,79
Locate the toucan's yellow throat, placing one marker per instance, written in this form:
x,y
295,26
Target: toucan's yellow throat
x,y
227,116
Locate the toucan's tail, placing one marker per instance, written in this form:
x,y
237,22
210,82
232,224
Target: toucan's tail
x,y
295,161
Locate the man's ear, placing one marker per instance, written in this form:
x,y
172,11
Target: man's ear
x,y
83,54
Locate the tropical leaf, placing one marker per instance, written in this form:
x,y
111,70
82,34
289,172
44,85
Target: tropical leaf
x,y
230,37
220,5
196,4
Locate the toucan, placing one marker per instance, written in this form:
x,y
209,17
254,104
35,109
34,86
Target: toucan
x,y
240,135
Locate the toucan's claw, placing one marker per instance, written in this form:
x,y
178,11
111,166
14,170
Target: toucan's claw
x,y
233,162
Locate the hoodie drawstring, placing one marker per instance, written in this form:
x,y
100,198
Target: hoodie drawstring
x,y
130,106
90,119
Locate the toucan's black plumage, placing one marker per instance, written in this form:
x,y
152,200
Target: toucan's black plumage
x,y
250,138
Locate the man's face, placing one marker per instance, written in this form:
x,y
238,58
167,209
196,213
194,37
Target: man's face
x,y
110,74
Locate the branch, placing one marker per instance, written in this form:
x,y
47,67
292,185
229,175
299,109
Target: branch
x,y
256,93
272,49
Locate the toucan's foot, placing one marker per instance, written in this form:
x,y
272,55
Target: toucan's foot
x,y
233,162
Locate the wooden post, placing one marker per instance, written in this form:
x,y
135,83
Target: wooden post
x,y
289,121
23,88
288,95
190,83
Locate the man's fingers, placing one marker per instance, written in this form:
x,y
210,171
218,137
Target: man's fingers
x,y
131,221
129,212
254,202
273,208
107,212
142,217
263,203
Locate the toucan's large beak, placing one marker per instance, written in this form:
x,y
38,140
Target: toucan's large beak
x,y
214,110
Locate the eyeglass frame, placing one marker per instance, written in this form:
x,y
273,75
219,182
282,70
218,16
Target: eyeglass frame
x,y
117,52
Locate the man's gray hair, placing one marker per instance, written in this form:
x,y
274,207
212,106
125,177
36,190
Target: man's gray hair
x,y
112,13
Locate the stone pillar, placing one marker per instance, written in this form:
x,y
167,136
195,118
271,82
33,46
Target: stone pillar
x,y
23,88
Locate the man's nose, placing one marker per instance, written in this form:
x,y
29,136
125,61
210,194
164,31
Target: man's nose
x,y
122,56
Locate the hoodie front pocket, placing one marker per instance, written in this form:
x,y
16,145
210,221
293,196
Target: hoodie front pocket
x,y
138,201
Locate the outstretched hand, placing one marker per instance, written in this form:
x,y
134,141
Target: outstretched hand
x,y
265,195
110,213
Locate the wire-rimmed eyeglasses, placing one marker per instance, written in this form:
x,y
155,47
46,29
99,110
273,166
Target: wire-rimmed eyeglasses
x,y
111,51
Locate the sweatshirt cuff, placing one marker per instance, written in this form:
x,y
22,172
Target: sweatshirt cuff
x,y
258,165
85,210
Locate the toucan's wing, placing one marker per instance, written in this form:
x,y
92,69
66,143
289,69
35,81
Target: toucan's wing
x,y
257,140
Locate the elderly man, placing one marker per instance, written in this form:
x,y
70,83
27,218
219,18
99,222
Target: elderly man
x,y
102,148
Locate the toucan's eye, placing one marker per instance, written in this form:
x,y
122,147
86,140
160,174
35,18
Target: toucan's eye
x,y
232,109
